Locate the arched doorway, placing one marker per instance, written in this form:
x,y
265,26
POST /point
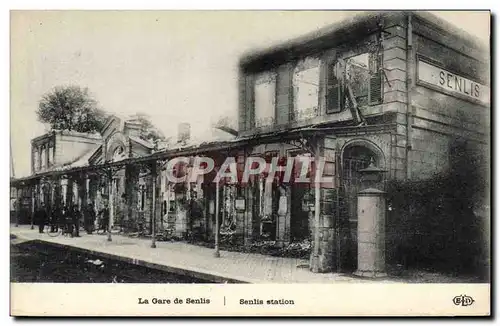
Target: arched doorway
x,y
355,156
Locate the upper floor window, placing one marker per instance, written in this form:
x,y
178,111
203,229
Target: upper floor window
x,y
50,155
43,157
265,99
355,79
358,76
306,79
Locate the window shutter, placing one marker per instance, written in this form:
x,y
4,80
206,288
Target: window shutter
x,y
376,87
333,91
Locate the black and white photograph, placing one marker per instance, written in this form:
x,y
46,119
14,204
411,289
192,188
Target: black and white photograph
x,y
299,148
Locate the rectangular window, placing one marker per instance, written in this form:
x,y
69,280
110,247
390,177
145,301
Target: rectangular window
x,y
43,157
358,77
265,99
306,89
334,92
50,156
354,80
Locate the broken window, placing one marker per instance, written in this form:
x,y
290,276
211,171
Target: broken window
x,y
334,91
43,157
265,99
360,75
306,89
50,156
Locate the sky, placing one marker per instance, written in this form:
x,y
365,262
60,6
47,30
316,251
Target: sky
x,y
176,66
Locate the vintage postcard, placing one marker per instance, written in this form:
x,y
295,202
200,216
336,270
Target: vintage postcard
x,y
250,163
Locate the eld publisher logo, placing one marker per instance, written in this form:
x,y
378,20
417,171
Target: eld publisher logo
x,y
463,300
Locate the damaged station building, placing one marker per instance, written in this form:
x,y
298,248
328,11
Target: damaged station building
x,y
396,103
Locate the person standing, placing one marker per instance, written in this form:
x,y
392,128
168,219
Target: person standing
x,y
55,218
76,216
105,218
68,221
89,218
41,217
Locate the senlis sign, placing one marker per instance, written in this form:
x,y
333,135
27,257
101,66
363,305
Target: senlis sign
x,y
443,80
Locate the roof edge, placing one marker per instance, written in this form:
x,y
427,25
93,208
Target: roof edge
x,y
364,21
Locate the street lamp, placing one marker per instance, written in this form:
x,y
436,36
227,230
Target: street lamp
x,y
217,253
33,195
153,227
110,180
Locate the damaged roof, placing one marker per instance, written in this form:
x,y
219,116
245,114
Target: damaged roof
x,y
343,32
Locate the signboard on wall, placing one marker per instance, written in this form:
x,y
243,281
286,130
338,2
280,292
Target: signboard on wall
x,y
435,77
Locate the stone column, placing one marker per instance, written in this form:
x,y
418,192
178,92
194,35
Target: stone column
x,y
64,186
34,153
325,261
131,191
249,192
148,205
158,202
18,205
371,233
371,224
154,208
111,200
75,189
283,223
87,189
33,202
52,194
325,228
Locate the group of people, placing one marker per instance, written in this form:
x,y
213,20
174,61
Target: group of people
x,y
69,218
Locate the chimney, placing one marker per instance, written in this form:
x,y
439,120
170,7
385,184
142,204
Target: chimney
x,y
183,132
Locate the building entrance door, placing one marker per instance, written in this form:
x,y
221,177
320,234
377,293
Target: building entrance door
x,y
302,196
300,212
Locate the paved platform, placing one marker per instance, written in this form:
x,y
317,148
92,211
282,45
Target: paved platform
x,y
199,262
192,260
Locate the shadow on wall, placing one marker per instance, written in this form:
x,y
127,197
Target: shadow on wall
x,y
442,223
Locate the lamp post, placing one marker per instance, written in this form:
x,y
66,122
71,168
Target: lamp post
x,y
18,206
217,253
371,223
153,227
33,195
110,184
